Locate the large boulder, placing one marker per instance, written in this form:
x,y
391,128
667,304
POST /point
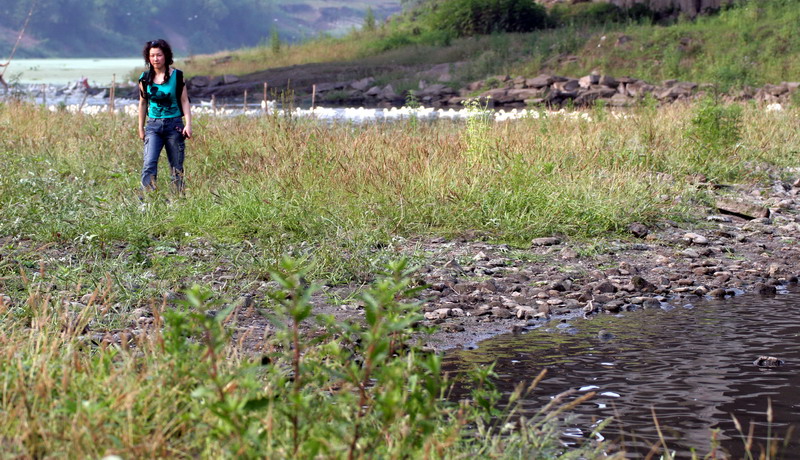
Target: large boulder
x,y
599,92
363,84
540,81
520,95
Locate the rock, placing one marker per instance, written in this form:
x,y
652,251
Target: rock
x,y
638,230
524,312
230,79
374,91
741,208
604,335
768,361
566,86
607,80
642,285
639,89
440,313
614,306
453,264
695,238
363,84
561,286
651,303
605,287
199,81
519,95
546,241
502,313
764,289
718,293
487,286
588,81
588,97
539,82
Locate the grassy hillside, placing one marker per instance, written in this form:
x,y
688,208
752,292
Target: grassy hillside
x,y
751,44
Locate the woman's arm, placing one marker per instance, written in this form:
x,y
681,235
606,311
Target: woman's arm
x,y
142,112
187,113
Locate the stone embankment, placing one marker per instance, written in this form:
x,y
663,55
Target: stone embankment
x,y
549,90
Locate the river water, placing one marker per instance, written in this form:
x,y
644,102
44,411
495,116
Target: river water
x,y
692,365
99,71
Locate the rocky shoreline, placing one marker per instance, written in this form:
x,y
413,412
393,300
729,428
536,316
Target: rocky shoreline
x,y
501,91
746,246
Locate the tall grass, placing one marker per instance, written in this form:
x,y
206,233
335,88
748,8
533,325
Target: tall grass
x,y
337,193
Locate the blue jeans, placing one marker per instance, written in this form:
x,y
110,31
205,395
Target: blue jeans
x,y
163,133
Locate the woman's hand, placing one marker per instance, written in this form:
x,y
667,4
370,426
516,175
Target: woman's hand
x,y
141,134
187,132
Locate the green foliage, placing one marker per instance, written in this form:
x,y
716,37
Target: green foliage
x,y
597,13
716,127
715,131
479,123
480,17
275,43
369,20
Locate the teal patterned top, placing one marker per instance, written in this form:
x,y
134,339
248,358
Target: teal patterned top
x,y
162,99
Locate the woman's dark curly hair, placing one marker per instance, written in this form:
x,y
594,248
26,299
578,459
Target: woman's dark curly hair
x,y
166,49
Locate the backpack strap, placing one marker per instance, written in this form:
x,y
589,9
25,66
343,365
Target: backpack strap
x,y
143,84
179,87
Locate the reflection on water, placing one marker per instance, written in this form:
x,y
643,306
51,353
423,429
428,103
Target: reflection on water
x,y
693,366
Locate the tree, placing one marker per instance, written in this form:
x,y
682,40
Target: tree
x,y
477,17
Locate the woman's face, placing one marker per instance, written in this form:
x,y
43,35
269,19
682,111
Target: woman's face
x,y
157,58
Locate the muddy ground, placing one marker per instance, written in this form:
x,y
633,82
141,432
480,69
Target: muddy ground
x,y
475,290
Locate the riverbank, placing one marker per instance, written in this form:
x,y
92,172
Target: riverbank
x,y
108,295
510,230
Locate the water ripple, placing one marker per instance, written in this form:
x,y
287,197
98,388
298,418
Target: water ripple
x,y
694,367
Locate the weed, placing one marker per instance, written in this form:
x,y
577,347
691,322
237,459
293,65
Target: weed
x,y
479,123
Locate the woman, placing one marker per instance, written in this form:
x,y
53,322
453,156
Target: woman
x,y
164,102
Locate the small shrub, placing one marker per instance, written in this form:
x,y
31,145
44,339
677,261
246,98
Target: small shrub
x,y
369,20
716,127
716,131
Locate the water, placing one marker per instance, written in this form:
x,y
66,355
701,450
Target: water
x,y
64,71
692,365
